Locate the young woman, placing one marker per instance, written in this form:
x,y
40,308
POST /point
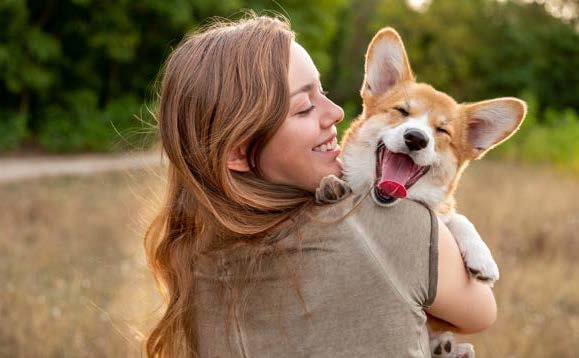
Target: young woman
x,y
245,269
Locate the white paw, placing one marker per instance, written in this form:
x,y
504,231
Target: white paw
x,y
464,350
480,262
475,253
442,345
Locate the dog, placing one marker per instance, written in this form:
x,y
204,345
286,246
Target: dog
x,y
412,141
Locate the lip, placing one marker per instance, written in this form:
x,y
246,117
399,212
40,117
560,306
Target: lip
x,y
335,151
326,140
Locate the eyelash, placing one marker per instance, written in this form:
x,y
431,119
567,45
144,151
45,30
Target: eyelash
x,y
307,111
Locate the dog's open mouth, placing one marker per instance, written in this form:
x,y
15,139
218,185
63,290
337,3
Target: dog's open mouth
x,y
395,174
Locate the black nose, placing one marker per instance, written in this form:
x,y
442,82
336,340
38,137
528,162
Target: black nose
x,y
415,139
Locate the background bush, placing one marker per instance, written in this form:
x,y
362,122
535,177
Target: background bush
x,y
74,74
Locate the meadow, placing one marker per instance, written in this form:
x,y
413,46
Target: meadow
x,y
75,281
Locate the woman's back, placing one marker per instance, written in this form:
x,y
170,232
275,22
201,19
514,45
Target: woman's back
x,y
249,133
364,282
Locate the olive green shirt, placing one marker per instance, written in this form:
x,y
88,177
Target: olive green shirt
x,y
364,282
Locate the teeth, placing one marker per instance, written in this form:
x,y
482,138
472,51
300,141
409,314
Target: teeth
x,y
331,145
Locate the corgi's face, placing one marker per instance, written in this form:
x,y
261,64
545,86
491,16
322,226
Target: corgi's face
x,y
412,140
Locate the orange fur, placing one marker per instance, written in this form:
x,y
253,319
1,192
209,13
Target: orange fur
x,y
443,112
464,123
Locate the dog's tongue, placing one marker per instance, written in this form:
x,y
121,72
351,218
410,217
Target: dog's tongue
x,y
397,169
392,188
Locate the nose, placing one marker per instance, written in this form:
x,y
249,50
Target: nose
x,y
333,114
415,139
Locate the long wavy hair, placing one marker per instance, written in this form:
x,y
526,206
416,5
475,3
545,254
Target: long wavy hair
x,y
222,86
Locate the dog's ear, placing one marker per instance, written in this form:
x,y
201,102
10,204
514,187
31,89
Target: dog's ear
x,y
491,122
386,63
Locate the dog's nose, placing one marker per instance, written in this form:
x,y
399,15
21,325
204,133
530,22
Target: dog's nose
x,y
415,139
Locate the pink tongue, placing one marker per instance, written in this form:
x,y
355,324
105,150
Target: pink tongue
x,y
397,169
392,188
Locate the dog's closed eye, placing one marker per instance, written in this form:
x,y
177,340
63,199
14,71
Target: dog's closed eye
x,y
442,130
402,111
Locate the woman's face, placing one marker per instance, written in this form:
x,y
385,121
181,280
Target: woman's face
x,y
304,149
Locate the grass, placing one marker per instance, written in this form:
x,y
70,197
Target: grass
x,y
75,283
75,280
530,219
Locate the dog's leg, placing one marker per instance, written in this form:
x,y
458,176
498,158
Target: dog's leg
x,y
332,189
442,345
475,252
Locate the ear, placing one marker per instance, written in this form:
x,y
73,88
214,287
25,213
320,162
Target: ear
x,y
237,160
386,63
492,122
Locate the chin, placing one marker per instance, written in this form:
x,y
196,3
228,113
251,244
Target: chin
x,y
332,170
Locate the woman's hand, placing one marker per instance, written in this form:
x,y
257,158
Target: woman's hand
x,y
464,302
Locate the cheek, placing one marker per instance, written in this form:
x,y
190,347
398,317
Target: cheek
x,y
288,153
443,142
445,171
296,138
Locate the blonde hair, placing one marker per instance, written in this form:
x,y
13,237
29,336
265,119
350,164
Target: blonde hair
x,y
221,87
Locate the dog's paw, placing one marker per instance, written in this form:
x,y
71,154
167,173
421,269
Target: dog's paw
x,y
475,253
332,189
481,265
464,350
442,345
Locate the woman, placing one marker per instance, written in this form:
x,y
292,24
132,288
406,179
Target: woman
x,y
239,249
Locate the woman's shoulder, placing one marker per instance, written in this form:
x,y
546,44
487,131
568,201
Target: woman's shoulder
x,y
402,238
362,208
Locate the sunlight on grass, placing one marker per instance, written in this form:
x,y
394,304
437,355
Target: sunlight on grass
x,y
76,282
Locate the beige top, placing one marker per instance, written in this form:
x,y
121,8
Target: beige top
x,y
364,282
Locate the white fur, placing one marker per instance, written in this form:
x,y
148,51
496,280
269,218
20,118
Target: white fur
x,y
359,157
475,252
394,140
432,188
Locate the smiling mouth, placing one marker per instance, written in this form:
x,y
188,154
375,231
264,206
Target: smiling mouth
x,y
395,174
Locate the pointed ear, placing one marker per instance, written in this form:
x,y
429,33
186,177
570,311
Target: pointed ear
x,y
492,122
237,160
386,63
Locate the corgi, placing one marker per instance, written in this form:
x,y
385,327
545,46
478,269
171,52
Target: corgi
x,y
412,141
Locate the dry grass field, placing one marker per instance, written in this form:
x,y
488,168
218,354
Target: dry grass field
x,y
75,284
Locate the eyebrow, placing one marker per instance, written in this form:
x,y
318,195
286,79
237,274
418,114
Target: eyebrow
x,y
305,88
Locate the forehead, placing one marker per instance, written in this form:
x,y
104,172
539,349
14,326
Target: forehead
x,y
302,70
419,98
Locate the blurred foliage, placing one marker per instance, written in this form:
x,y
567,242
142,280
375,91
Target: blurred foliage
x,y
552,138
74,74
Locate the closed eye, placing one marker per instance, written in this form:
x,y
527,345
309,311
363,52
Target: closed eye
x,y
402,111
305,112
442,130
